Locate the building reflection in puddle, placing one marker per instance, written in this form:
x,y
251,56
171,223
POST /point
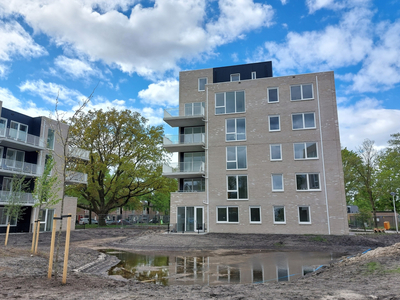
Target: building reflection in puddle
x,y
223,269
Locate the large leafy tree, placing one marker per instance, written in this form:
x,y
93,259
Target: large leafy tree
x,y
126,157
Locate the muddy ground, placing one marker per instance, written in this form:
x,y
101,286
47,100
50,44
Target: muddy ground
x,y
373,275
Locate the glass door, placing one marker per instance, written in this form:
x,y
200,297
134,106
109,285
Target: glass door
x,y
190,218
199,219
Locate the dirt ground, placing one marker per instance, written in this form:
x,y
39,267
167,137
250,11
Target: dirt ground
x,y
373,275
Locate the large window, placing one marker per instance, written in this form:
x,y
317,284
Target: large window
x,y
277,182
273,95
229,102
255,214
237,187
18,131
194,185
275,152
279,215
202,84
303,121
235,77
274,123
15,158
236,157
192,135
3,126
50,139
235,129
193,162
301,92
227,214
305,150
304,215
4,219
194,109
307,181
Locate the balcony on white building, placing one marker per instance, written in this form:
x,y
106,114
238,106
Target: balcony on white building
x,y
25,199
10,166
184,170
22,140
184,142
192,115
73,177
78,153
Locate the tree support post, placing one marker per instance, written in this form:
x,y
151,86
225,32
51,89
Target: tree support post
x,y
37,235
53,238
34,236
8,231
64,279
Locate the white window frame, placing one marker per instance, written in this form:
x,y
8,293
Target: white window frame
x,y
3,130
224,106
259,209
235,75
277,94
198,87
269,123
308,182
237,187
18,133
236,158
309,214
236,130
305,150
227,214
302,114
301,92
272,183
284,214
14,159
280,152
253,75
277,273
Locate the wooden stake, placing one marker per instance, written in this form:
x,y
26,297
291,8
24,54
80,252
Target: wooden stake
x,y
53,237
37,236
64,280
8,231
34,236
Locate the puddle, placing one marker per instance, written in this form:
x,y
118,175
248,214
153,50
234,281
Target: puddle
x,y
222,269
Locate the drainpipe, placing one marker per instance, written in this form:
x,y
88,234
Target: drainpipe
x,y
206,149
323,158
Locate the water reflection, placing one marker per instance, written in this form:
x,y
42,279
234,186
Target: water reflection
x,y
223,269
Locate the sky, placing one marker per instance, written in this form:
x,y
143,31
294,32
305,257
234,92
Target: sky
x,y
130,53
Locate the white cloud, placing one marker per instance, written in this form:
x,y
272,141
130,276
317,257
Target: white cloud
x,y
76,68
150,39
155,116
164,93
284,2
51,91
367,119
314,5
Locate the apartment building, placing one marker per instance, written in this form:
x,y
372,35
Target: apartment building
x,y
257,153
25,143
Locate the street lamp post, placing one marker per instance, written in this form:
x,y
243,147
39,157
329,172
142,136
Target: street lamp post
x,y
395,213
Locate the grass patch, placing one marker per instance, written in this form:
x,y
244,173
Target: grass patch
x,y
279,244
319,238
374,267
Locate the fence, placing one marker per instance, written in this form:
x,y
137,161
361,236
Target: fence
x,y
356,223
122,221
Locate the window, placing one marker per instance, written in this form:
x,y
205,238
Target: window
x,y
282,273
304,214
276,152
194,109
237,186
18,131
307,181
235,129
279,215
301,92
303,121
277,182
202,84
192,135
229,102
50,139
273,95
193,162
194,185
3,126
235,77
255,214
305,150
236,157
274,123
253,75
227,214
15,158
4,219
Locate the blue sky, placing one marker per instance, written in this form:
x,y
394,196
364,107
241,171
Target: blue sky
x,y
133,51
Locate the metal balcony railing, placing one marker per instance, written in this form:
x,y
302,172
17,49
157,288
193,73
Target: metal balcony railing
x,y
184,167
23,198
20,167
184,139
75,177
22,137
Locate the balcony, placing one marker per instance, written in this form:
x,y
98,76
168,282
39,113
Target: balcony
x,y
78,153
184,142
20,139
25,199
73,177
9,166
193,115
184,170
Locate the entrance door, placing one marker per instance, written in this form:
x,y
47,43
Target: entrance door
x,y
190,218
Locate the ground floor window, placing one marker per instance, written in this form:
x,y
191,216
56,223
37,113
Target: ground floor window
x,y
227,214
255,214
46,219
190,218
4,218
304,215
279,215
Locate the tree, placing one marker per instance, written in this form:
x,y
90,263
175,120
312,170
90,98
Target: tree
x,y
126,157
364,216
351,184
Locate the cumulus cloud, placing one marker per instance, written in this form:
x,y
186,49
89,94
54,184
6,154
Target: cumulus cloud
x,y
164,93
139,39
367,119
76,68
314,5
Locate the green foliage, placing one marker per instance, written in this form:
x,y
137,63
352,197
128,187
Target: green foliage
x,y
126,157
14,207
364,216
373,267
46,188
319,238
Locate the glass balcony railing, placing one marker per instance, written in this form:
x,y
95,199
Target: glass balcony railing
x,y
20,167
185,167
22,137
75,177
22,198
184,139
195,109
79,153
